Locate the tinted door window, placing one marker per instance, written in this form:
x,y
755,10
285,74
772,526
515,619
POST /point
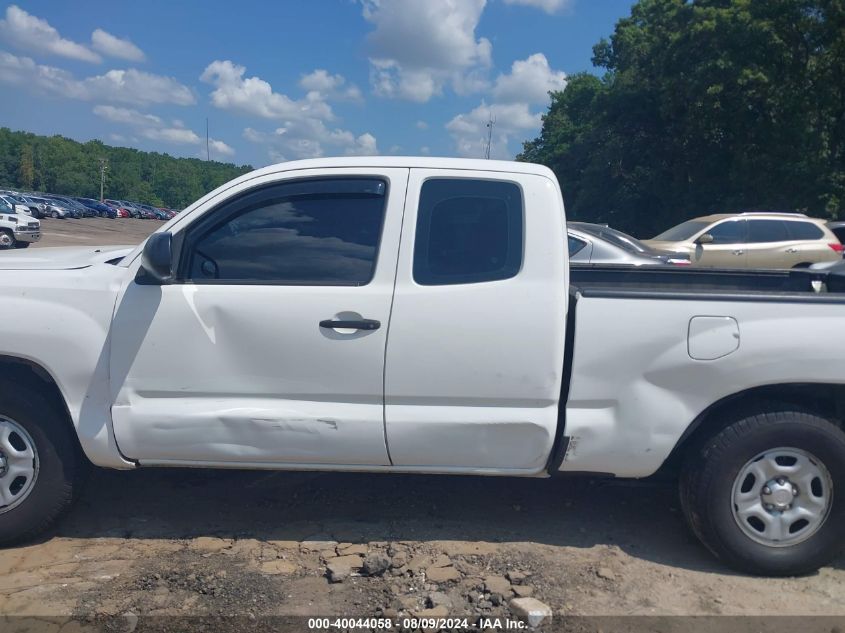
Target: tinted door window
x,y
312,232
730,232
760,231
575,245
468,231
803,231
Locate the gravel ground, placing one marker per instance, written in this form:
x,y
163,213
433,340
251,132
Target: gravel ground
x,y
198,543
252,544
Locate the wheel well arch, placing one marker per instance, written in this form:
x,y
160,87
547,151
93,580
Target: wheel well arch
x,y
824,399
24,371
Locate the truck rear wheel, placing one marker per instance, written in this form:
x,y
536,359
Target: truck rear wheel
x,y
40,463
767,493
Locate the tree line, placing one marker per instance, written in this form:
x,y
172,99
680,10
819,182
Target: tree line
x,y
704,106
56,164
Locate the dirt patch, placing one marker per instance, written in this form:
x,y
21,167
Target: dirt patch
x,y
250,545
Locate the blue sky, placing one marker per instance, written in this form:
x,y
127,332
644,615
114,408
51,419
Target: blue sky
x,y
295,79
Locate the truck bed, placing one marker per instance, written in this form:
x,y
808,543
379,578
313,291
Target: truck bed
x,y
670,282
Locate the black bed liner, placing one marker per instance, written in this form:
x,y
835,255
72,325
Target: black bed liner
x,y
675,282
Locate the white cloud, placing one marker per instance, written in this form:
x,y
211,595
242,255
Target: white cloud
x,y
469,130
136,86
153,128
425,150
421,125
254,136
171,135
529,81
220,148
127,86
549,6
113,46
252,95
311,138
418,47
28,32
327,86
127,116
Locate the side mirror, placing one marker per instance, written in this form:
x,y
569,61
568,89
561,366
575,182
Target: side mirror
x,y
156,260
705,239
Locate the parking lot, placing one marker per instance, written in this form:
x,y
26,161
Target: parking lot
x,y
94,231
191,542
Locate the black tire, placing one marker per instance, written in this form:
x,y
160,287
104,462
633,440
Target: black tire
x,y
22,244
707,487
7,235
55,215
61,466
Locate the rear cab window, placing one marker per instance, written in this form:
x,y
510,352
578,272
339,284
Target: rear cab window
x,y
468,231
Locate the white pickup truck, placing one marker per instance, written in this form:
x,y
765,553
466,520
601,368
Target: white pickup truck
x,y
17,229
420,315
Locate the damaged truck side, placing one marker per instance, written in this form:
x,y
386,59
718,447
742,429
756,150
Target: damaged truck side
x,y
419,315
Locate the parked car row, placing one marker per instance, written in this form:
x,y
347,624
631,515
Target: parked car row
x,y
47,205
726,240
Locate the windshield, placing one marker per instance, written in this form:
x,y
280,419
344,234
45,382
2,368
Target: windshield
x,y
5,208
683,231
59,202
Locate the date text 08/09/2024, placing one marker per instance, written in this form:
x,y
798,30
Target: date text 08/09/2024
x,y
410,623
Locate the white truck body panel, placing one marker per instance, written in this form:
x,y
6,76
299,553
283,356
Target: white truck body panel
x,y
635,389
459,378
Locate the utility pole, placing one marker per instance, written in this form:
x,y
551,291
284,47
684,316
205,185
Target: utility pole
x,y
490,123
207,151
104,165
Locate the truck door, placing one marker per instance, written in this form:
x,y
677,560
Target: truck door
x,y
475,349
239,360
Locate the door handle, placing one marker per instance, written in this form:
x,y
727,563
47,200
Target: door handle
x,y
791,250
738,252
360,324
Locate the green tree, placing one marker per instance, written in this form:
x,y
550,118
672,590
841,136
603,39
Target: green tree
x,y
26,169
704,105
60,165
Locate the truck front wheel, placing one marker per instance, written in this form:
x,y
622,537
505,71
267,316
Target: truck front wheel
x,y
40,464
7,240
767,493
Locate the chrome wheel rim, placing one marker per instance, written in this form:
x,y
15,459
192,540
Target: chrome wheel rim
x,y
18,464
6,240
782,497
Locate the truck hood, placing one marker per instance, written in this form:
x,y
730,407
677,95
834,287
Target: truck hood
x,y
61,257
